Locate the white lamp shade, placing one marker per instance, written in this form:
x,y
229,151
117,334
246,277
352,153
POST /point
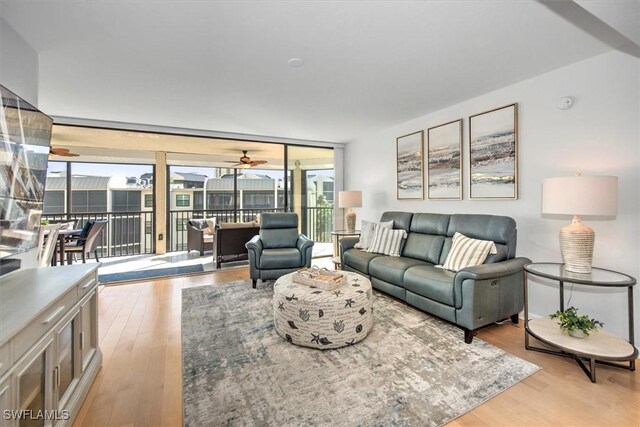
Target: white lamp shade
x,y
580,195
350,199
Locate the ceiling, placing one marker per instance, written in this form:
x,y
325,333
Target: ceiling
x,y
623,15
141,147
222,65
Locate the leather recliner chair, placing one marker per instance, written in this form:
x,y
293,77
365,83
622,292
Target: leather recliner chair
x,y
279,248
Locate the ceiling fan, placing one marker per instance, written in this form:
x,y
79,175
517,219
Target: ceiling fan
x,y
63,152
246,162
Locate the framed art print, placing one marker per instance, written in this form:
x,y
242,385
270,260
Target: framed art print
x,y
409,166
444,161
493,154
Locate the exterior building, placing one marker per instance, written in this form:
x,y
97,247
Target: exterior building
x,y
100,198
254,191
89,194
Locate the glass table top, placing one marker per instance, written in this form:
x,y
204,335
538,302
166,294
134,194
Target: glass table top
x,y
345,232
597,277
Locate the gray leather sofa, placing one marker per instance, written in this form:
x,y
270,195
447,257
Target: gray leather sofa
x,y
472,297
279,248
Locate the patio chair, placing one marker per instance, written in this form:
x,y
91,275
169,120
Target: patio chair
x,y
200,235
88,243
47,241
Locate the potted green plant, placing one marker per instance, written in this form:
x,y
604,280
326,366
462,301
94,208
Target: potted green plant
x,y
575,325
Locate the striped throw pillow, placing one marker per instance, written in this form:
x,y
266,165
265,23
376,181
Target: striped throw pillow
x,y
467,252
368,233
387,242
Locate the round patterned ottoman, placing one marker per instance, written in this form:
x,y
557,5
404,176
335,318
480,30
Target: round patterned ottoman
x,y
312,317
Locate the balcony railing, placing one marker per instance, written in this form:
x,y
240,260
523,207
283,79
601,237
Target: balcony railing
x,y
131,233
317,223
127,233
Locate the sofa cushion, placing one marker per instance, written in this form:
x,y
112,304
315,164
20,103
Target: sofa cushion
x,y
280,258
387,242
85,232
279,238
198,223
358,259
388,288
279,230
276,220
498,229
467,252
401,220
85,229
391,269
211,225
430,282
501,255
68,225
425,247
427,223
208,238
369,231
250,224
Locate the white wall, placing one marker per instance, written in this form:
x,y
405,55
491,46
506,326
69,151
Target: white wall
x,y
18,64
599,135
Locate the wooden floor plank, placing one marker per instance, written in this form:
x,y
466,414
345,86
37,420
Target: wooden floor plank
x,y
140,383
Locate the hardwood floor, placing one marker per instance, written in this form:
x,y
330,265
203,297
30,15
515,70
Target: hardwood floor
x,y
140,383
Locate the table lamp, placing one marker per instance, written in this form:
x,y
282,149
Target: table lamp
x,y
350,199
579,195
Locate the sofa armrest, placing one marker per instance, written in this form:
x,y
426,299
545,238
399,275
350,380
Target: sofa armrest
x,y
303,242
346,243
491,271
305,246
254,245
254,250
489,292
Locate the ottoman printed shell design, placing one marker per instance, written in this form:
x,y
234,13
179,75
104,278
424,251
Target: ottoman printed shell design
x,y
312,317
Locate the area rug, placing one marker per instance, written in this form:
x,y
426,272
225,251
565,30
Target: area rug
x,y
412,369
128,276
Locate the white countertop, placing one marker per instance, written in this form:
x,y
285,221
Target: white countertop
x,y
27,293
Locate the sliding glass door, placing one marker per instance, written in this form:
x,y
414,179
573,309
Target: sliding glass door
x,y
311,190
121,194
232,180
229,195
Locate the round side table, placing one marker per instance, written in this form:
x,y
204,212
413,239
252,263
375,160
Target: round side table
x,y
599,347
